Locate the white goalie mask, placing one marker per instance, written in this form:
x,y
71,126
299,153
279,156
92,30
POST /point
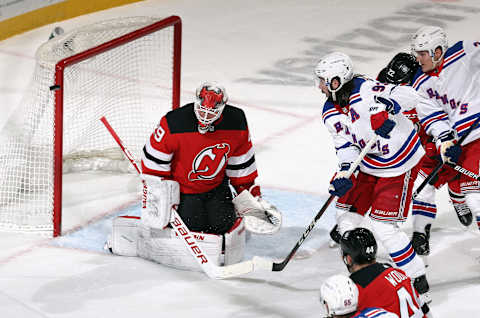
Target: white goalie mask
x,y
339,295
209,103
428,38
334,65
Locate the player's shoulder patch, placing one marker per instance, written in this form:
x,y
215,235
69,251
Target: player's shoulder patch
x,y
454,49
182,120
358,81
328,106
329,110
417,74
233,118
453,54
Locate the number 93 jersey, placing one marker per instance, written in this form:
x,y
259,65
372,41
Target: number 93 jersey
x,y
351,128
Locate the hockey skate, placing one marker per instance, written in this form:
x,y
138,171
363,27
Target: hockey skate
x,y
421,285
464,213
334,237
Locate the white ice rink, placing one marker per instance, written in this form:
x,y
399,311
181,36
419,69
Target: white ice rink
x,y
263,52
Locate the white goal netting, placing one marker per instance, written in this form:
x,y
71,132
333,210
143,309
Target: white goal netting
x,y
130,83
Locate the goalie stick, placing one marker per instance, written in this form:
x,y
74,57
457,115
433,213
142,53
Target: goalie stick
x,y
276,267
439,166
184,234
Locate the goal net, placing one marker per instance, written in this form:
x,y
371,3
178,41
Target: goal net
x,y
127,70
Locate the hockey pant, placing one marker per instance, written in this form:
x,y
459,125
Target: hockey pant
x,y
424,208
388,200
209,212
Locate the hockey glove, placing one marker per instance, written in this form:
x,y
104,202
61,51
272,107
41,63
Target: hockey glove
x,y
261,217
391,106
382,124
340,184
449,149
431,150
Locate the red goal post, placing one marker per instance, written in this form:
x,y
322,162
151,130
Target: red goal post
x,y
126,69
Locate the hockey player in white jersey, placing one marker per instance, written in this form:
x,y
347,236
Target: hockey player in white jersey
x,y
449,88
356,109
400,71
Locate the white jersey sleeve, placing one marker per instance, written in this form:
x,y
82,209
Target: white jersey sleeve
x,y
450,98
406,97
337,125
393,156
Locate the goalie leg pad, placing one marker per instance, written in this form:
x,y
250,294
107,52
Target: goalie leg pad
x,y
158,198
162,246
235,240
124,237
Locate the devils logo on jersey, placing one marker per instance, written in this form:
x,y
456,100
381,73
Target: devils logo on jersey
x,y
209,162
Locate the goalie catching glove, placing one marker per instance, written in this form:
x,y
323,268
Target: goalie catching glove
x,y
260,216
159,196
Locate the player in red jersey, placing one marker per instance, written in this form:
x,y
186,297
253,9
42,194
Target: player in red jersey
x,y
339,297
400,71
381,285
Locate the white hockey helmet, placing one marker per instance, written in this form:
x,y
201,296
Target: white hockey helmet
x,y
209,102
428,38
339,295
334,65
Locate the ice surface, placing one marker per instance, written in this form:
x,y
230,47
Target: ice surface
x,y
263,53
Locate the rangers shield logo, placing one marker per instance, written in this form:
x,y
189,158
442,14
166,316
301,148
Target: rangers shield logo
x,y
209,162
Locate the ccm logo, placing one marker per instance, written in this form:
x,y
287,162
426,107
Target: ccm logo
x,y
190,240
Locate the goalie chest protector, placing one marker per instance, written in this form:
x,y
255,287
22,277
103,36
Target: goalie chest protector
x,y
200,162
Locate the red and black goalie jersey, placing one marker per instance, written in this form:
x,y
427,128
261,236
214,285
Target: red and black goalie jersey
x,y
380,285
200,162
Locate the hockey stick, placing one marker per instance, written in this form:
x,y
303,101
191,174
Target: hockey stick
x,y
276,267
464,171
183,233
440,164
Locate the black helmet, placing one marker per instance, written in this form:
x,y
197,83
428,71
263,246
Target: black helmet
x,y
360,244
401,69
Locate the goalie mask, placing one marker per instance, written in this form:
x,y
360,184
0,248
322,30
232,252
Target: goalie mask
x,y
428,38
339,296
209,104
333,66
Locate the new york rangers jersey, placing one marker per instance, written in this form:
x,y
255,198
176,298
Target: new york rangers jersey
x,y
450,95
351,129
200,162
373,313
